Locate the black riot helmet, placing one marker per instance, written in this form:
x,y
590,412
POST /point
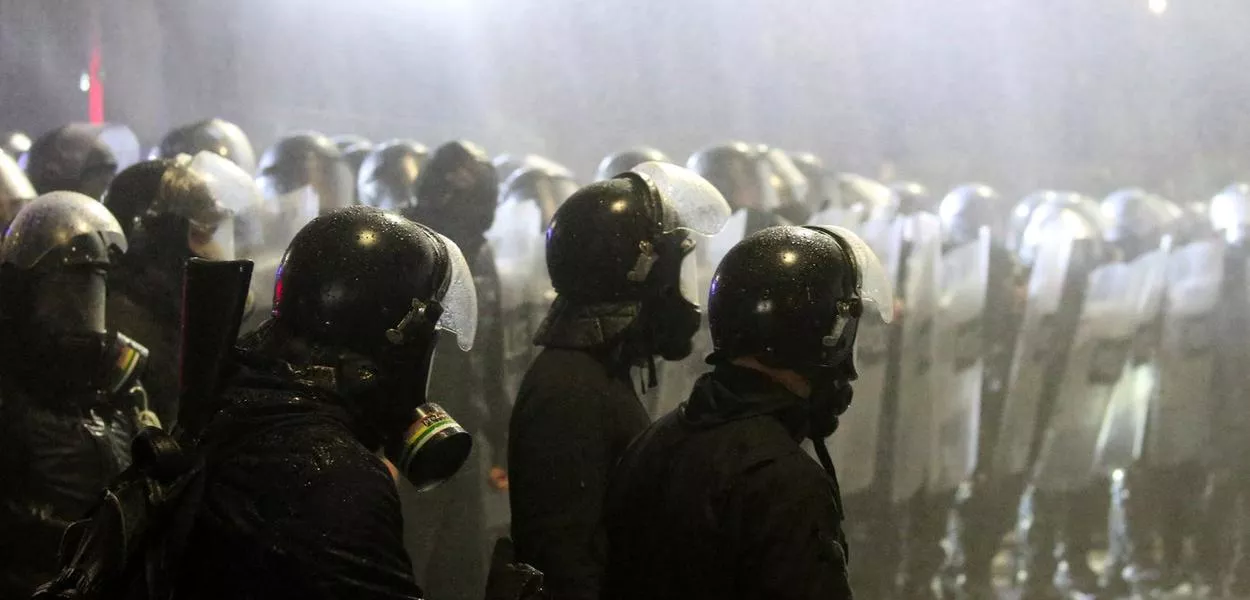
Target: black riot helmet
x,y
821,187
388,176
1137,221
969,207
355,150
15,189
548,187
625,246
457,190
210,135
1065,216
790,295
359,302
305,173
80,157
913,197
173,209
53,262
791,298
15,143
618,162
736,170
787,184
1229,213
868,198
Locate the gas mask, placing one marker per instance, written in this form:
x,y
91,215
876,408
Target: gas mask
x,y
831,382
672,314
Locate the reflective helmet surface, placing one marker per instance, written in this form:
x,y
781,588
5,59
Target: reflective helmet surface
x,y
618,162
210,135
388,175
968,208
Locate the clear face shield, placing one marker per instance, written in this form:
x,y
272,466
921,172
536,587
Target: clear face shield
x,y
459,299
874,294
232,193
691,206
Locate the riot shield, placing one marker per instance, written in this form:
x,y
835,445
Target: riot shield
x,y
1099,352
525,291
1180,421
1122,436
960,366
676,378
914,424
854,447
1037,347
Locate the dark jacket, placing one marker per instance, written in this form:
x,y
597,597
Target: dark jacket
x,y
717,500
293,505
573,419
149,310
54,462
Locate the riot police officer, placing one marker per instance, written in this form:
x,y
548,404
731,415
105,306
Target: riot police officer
x,y
456,194
821,192
981,510
355,150
787,183
1229,505
175,209
717,499
388,176
621,255
69,389
218,136
1055,524
619,162
739,172
301,176
913,197
1137,223
80,157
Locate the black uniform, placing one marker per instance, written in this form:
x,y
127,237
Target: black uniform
x,y
574,416
762,523
56,455
337,536
615,252
69,389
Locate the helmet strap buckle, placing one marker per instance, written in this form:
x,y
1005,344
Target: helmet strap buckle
x,y
398,334
642,266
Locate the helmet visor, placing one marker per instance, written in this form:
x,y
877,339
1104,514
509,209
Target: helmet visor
x,y
58,220
459,299
691,202
873,284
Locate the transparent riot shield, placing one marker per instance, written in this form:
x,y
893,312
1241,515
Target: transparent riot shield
x,y
525,290
1180,422
1037,348
1094,364
960,363
854,446
1122,436
914,424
